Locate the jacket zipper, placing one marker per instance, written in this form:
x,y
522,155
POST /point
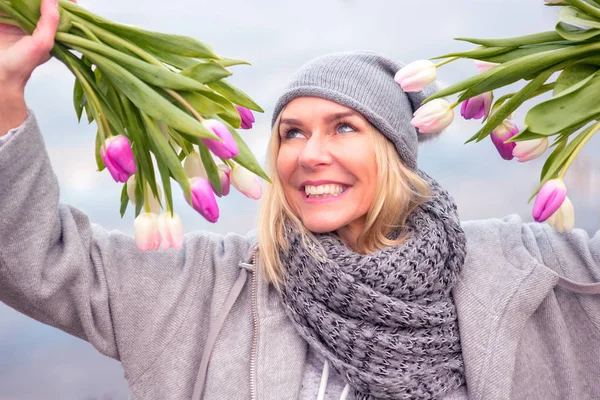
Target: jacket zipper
x,y
255,336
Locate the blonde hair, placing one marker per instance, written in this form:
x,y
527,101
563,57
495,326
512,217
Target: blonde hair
x,y
399,192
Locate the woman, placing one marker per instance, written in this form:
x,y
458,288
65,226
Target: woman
x,y
358,281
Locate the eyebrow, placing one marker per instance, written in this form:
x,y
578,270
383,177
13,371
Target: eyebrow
x,y
328,119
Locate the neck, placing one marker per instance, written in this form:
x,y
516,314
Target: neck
x,y
350,233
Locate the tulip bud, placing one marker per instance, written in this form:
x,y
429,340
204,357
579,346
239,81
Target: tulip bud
x,y
477,107
224,172
146,232
247,117
228,147
193,167
527,150
118,157
203,199
154,203
483,66
416,75
433,117
246,182
563,220
549,199
171,230
501,134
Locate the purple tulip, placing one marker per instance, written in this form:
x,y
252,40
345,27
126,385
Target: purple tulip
x,y
228,147
549,199
501,134
118,157
203,199
477,107
247,117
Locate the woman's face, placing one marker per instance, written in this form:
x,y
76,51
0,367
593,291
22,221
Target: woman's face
x,y
326,164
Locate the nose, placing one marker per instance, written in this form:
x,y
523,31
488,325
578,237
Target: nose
x,y
315,152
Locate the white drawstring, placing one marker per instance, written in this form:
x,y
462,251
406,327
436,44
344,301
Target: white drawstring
x,y
324,377
345,392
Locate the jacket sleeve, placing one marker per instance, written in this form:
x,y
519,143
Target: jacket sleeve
x,y
58,268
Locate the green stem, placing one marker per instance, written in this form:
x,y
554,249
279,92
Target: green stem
x,y
577,149
87,32
585,7
146,202
23,22
453,105
447,61
185,104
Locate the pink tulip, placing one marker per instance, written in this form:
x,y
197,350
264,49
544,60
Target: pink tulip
x,y
146,232
247,117
433,117
171,230
483,66
203,199
502,133
416,76
228,147
527,150
549,199
118,157
246,182
477,107
224,172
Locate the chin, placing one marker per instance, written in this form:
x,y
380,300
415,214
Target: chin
x,y
317,225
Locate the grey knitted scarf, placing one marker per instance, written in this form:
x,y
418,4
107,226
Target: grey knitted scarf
x,y
385,321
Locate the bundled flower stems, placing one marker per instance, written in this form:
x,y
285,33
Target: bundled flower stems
x,y
571,51
154,96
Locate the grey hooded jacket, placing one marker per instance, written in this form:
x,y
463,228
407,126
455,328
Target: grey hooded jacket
x,y
528,330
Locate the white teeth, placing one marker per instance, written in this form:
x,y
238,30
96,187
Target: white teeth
x,y
324,190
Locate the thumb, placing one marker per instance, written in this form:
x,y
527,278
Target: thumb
x,y
42,38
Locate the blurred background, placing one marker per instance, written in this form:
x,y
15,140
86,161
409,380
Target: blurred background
x,y
277,37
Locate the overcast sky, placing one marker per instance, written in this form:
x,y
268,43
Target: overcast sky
x,y
277,37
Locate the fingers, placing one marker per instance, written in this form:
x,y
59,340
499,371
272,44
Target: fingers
x,y
43,35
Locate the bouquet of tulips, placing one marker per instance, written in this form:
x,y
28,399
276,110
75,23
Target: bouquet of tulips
x,y
571,52
157,99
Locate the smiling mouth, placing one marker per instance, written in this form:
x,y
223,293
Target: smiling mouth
x,y
328,190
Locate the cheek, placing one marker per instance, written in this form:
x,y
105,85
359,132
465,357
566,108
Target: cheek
x,y
286,165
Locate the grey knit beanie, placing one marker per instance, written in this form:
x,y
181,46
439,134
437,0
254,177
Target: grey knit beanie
x,y
363,81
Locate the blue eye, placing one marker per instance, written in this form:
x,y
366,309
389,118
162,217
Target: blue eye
x,y
292,133
345,128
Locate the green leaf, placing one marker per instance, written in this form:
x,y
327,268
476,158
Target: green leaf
x,y
140,189
572,75
574,105
166,181
179,62
206,72
212,171
551,159
78,100
229,62
137,136
525,134
155,41
524,51
124,200
99,162
150,102
152,74
201,103
479,53
586,7
235,95
536,38
164,153
511,104
560,159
